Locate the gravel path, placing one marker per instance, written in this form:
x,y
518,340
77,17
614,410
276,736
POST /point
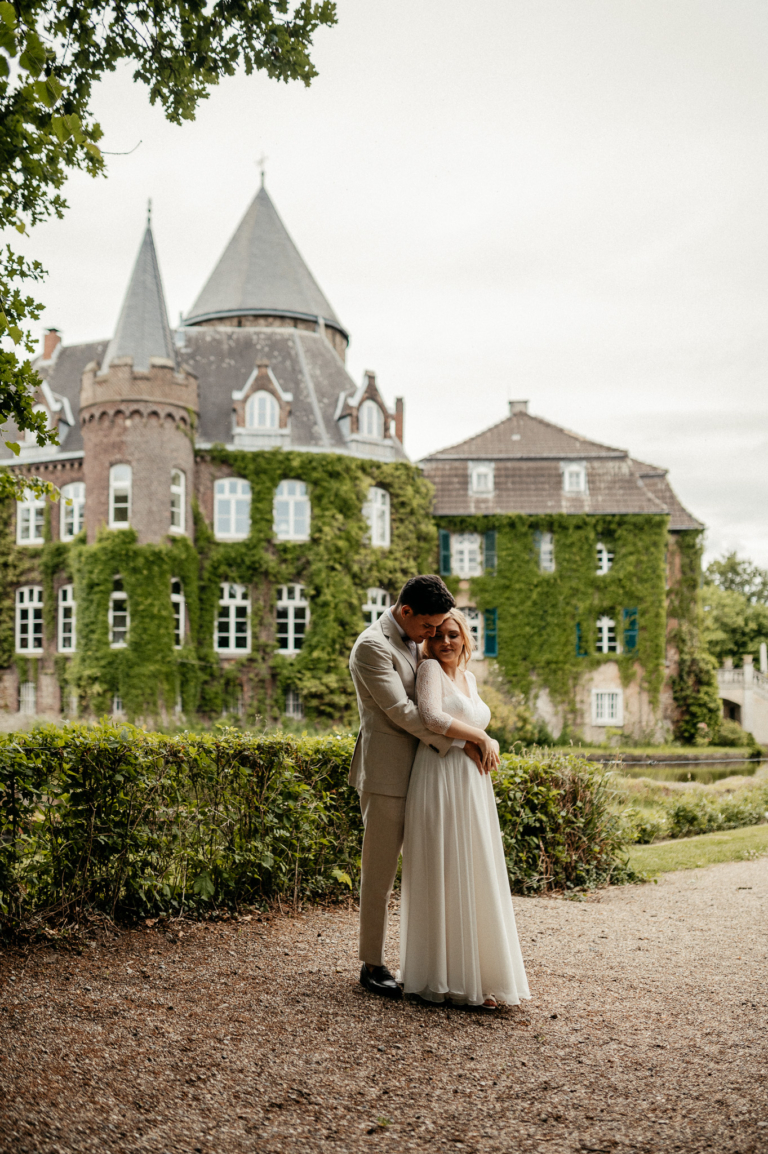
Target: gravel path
x,y
647,1032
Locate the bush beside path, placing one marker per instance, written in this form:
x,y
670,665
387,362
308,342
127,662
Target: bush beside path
x,y
646,1032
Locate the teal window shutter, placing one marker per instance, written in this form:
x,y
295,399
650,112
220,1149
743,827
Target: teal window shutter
x,y
491,632
490,551
581,650
630,630
445,553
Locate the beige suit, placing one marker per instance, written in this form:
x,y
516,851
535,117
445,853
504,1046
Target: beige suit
x,y
384,672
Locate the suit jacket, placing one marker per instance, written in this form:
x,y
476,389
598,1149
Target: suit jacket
x,y
384,672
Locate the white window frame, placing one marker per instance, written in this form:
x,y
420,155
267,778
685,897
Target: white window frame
x,y
178,501
179,610
291,509
289,599
370,420
604,559
467,555
67,615
120,483
115,596
574,477
608,707
547,553
475,619
294,706
376,605
231,504
376,511
481,478
29,614
231,598
72,515
262,404
30,519
27,698
604,627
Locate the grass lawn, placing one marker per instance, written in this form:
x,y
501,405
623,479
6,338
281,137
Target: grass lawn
x,y
690,853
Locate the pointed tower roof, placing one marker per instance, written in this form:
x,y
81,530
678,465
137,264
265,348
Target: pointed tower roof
x,y
142,330
262,273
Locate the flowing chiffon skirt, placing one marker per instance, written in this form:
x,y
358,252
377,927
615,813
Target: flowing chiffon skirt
x,y
458,937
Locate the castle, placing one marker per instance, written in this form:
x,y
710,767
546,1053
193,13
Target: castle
x,y
235,508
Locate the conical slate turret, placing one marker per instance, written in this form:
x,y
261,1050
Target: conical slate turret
x,y
261,272
142,331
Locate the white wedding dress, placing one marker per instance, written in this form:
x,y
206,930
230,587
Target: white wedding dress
x,y
458,937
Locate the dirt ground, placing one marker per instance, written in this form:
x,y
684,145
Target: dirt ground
x,y
646,1032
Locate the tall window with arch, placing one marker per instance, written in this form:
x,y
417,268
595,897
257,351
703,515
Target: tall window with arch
x,y
291,510
376,604
371,420
178,501
67,619
262,411
30,519
376,513
179,609
120,483
119,620
233,625
292,618
72,512
232,509
29,619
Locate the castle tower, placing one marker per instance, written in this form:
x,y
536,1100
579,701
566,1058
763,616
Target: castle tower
x,y
137,412
262,281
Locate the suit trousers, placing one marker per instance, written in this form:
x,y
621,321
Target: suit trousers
x,y
384,821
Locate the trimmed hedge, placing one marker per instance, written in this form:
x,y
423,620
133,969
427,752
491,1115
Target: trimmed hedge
x,y
134,823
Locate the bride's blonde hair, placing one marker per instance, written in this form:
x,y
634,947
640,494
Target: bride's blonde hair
x,y
460,621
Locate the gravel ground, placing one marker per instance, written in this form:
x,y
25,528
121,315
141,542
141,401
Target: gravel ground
x,y
646,1032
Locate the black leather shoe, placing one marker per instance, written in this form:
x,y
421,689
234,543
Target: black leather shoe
x,y
380,981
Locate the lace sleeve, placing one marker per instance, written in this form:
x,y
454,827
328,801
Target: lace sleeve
x,y
429,697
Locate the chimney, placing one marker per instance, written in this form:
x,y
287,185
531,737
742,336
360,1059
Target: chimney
x,y
399,410
51,342
517,407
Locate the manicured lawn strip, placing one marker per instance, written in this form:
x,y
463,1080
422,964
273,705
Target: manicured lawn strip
x,y
693,852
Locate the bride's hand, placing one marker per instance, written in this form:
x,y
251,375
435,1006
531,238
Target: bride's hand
x,y
490,753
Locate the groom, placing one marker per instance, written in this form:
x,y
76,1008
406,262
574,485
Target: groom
x,y
383,667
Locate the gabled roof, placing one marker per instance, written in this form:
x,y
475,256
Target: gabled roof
x,y
142,331
521,436
261,272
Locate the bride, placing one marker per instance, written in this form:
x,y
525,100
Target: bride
x,y
458,939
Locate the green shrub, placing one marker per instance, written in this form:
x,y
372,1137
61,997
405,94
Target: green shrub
x,y
135,823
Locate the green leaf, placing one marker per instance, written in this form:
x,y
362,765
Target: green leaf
x,y
32,59
15,449
48,91
8,15
341,876
94,149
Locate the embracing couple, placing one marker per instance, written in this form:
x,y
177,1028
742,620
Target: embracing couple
x,y
422,767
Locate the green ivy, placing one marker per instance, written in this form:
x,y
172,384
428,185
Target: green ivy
x,y
694,685
538,613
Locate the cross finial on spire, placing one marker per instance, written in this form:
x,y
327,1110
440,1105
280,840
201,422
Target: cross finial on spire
x,y
262,161
149,212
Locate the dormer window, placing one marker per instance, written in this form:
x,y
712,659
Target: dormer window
x,y
371,420
574,477
262,411
481,479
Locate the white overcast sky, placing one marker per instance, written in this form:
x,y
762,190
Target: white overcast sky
x,y
558,200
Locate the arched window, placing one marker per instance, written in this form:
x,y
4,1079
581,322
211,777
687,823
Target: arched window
x,y
178,608
376,605
29,619
291,511
72,510
606,635
30,518
376,513
178,500
604,558
232,511
119,617
233,626
292,618
371,420
120,496
67,619
262,411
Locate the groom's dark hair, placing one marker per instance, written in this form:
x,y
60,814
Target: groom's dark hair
x,y
426,595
